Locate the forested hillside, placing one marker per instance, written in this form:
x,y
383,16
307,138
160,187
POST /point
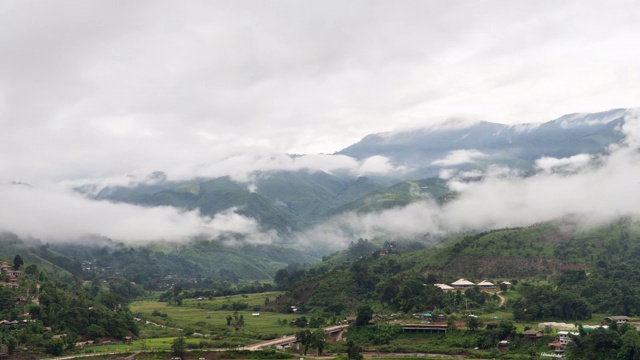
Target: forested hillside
x,y
42,313
586,269
160,264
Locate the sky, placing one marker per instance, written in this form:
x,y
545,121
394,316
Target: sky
x,y
116,90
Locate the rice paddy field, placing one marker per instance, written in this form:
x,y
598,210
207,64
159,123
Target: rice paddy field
x,y
207,318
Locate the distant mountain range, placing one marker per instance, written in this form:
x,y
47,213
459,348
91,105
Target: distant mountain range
x,y
291,201
425,150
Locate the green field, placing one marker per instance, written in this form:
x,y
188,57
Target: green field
x,y
208,318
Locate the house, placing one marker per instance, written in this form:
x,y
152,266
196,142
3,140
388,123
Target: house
x,y
557,346
463,284
616,319
255,314
533,334
444,287
564,337
484,284
507,284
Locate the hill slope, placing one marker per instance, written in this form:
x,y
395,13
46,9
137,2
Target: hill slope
x,y
597,265
516,146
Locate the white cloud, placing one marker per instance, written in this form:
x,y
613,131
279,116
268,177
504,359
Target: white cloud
x,y
378,165
53,214
571,163
104,92
592,196
98,90
458,157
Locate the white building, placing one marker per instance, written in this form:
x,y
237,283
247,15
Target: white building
x,y
463,284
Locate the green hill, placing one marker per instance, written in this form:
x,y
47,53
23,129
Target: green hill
x,y
398,195
157,264
282,201
597,266
52,263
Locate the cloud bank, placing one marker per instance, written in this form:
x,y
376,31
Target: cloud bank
x,y
596,191
53,214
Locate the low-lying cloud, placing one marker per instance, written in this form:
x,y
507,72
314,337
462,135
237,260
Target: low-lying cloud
x,y
596,192
55,214
459,157
572,163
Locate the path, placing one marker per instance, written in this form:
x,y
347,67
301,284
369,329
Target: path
x,y
36,300
502,299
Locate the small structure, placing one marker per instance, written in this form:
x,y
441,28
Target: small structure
x,y
564,338
534,335
556,346
434,327
463,284
507,284
255,314
485,284
616,319
444,287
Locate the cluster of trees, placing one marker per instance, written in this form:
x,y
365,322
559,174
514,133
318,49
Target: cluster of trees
x,y
615,343
493,333
390,280
66,307
237,320
549,302
315,340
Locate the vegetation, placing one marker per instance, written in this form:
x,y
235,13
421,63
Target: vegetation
x,y
558,272
47,315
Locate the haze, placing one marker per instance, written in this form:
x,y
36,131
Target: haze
x,y
108,92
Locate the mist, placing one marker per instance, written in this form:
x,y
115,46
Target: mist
x,y
589,190
57,214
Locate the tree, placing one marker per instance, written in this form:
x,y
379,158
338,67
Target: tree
x,y
177,299
17,262
304,338
31,270
54,347
473,323
11,343
630,348
178,347
363,315
318,340
354,350
229,319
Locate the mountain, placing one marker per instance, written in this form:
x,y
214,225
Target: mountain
x,y
400,194
293,201
157,264
517,146
597,266
282,201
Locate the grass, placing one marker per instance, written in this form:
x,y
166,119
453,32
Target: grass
x,y
207,317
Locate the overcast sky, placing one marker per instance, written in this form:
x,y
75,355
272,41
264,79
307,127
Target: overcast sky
x,y
92,89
